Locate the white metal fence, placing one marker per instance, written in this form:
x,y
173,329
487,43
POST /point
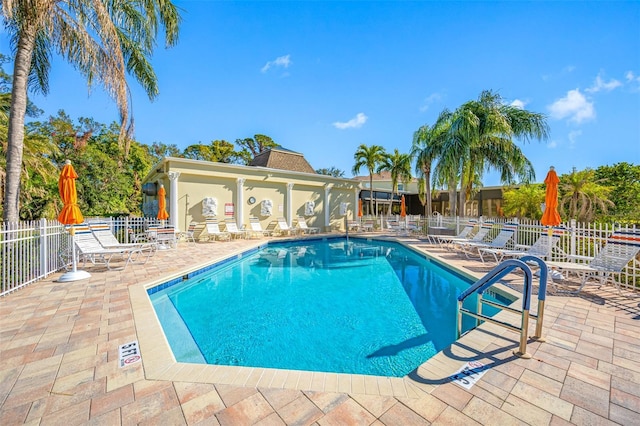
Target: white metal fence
x,y
31,250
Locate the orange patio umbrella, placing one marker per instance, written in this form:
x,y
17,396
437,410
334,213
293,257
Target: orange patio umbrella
x,y
403,208
550,216
359,207
162,204
70,215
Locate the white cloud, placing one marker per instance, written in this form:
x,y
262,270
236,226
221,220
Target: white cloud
x,y
600,84
518,103
573,136
630,76
354,123
566,70
434,97
552,144
281,61
574,106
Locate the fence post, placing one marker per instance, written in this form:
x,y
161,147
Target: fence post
x,y
572,233
44,248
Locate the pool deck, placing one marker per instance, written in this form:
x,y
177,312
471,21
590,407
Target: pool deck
x,y
59,363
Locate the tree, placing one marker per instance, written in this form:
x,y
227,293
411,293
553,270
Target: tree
x,y
331,171
158,151
399,167
624,181
523,201
583,194
219,151
370,157
253,146
426,148
481,138
103,40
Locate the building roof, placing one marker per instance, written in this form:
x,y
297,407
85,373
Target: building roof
x,y
382,176
282,159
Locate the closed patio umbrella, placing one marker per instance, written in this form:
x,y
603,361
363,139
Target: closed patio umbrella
x,y
162,204
550,216
70,215
360,207
403,208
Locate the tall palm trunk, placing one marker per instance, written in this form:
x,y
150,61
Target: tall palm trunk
x,y
371,212
452,196
427,191
15,146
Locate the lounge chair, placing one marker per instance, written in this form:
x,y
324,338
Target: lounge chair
x,y
620,248
189,234
368,225
541,248
232,228
255,229
478,237
214,232
353,225
302,225
285,229
90,249
501,240
464,234
102,232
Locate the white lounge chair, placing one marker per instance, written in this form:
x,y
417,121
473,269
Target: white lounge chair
x,y
90,249
214,232
501,240
285,229
541,248
478,237
302,224
102,232
189,234
255,228
464,234
232,228
620,248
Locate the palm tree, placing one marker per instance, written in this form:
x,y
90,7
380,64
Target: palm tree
x,y
370,157
482,133
426,148
399,166
583,193
103,40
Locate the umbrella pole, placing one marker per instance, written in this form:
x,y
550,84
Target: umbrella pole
x,y
74,274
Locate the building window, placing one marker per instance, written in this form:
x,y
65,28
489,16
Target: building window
x,y
400,187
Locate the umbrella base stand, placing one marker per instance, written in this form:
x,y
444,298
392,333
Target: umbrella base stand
x,y
74,276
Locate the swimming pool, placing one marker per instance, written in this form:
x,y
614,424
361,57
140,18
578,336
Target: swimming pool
x,y
363,307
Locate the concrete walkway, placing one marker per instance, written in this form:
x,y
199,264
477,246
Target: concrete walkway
x,y
59,364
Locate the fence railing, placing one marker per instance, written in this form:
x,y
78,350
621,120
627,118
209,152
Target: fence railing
x,y
31,250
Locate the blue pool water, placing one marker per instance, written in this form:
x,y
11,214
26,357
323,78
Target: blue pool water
x,y
363,307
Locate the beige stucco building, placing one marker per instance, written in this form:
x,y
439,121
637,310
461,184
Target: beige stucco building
x,y
199,189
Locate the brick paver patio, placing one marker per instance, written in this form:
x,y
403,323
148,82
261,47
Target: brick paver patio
x,y
59,364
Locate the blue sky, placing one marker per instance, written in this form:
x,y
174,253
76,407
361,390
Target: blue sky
x,y
322,78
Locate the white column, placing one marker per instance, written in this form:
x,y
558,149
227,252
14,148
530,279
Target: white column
x,y
290,204
173,199
240,202
327,207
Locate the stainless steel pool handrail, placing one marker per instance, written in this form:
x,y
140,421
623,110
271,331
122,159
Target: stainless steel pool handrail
x,y
491,278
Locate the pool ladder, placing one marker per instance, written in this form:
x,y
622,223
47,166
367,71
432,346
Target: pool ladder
x,y
492,278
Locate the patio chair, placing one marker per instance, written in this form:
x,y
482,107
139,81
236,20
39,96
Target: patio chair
x,y
166,237
620,248
90,249
302,225
285,229
214,232
541,248
464,234
501,240
449,242
102,233
255,229
232,228
189,234
368,225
